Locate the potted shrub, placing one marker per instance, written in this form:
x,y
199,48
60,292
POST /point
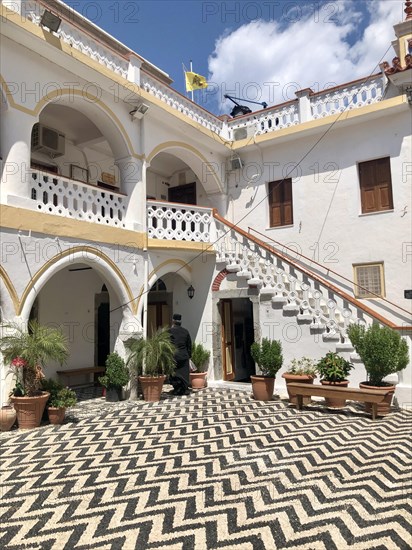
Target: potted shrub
x,y
333,371
116,376
27,351
268,356
383,352
60,398
154,359
301,370
200,356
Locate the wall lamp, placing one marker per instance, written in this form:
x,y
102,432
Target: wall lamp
x,y
51,21
139,111
409,94
190,292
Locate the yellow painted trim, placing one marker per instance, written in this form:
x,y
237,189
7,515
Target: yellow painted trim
x,y
28,26
403,40
70,252
10,287
157,268
59,226
322,122
163,244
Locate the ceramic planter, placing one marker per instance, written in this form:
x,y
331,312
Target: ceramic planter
x,y
152,387
56,414
7,418
383,408
262,387
335,402
302,379
113,394
30,410
198,380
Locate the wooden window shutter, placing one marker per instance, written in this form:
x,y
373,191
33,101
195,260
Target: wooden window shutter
x,y
376,185
280,203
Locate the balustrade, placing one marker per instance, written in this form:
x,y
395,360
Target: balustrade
x,y
61,196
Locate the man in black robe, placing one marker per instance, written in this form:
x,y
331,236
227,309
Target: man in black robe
x,y
180,337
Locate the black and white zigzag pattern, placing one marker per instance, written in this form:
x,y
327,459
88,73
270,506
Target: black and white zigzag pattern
x,y
211,470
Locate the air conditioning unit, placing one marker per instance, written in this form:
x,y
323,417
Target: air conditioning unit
x,y
47,140
244,132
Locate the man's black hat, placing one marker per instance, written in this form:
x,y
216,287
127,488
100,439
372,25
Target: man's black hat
x,y
177,317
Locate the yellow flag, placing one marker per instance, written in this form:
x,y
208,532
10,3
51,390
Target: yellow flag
x,y
194,81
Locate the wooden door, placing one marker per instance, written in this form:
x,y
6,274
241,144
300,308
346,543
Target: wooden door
x,y
227,340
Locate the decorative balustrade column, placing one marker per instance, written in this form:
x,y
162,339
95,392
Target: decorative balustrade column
x,y
133,184
305,112
133,71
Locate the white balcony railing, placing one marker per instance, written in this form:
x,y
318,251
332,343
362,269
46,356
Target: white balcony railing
x,y
346,97
180,222
61,196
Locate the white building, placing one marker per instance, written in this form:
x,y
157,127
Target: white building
x,y
118,193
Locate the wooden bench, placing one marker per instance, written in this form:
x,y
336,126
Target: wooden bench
x,y
352,394
70,373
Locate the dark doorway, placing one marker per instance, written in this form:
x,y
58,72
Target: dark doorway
x,y
102,305
237,337
185,194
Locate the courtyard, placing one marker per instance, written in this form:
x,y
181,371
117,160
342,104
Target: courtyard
x,y
214,469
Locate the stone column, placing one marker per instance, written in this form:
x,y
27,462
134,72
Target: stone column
x,y
133,184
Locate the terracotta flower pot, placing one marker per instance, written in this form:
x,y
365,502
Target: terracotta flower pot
x,y
335,402
30,410
7,418
383,408
56,414
262,387
152,387
302,379
198,380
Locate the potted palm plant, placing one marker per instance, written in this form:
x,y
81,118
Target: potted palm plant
x,y
301,370
152,360
267,354
333,371
383,352
60,398
27,352
115,377
200,356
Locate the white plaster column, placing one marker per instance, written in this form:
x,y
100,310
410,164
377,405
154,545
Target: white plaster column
x,y
133,184
133,71
305,112
16,127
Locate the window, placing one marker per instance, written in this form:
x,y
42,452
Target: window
x,y
370,278
376,185
280,203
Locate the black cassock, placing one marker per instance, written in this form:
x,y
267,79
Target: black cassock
x,y
180,337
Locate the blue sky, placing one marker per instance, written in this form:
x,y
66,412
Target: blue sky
x,y
260,50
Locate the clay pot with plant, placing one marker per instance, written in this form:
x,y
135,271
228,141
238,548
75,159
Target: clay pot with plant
x,y
333,371
59,400
115,377
199,358
267,354
301,370
27,351
383,352
152,360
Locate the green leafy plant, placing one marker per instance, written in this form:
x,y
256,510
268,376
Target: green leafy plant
x,y
60,397
27,352
333,368
200,355
303,366
117,374
381,349
268,356
152,356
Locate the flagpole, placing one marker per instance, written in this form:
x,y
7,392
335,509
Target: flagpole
x,y
191,70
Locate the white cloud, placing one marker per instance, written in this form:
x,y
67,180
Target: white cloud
x,y
310,52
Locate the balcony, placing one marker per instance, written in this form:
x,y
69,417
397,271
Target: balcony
x,y
180,222
53,194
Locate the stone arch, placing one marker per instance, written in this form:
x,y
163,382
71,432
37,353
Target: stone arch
x,y
7,284
97,111
176,266
206,170
82,254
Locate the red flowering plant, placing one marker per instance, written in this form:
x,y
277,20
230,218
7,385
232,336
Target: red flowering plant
x,y
27,351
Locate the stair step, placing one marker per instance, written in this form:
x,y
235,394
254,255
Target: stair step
x,y
291,308
344,348
327,337
244,274
305,318
233,268
254,282
354,357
